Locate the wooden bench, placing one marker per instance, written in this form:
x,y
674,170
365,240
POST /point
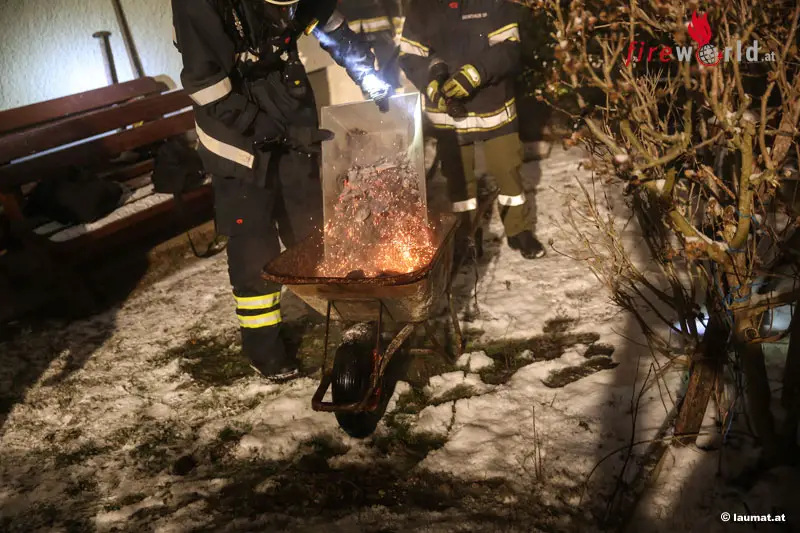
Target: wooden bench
x,y
112,132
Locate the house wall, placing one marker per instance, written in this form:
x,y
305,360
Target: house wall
x,y
48,51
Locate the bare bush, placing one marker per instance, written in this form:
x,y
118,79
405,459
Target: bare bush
x,y
707,156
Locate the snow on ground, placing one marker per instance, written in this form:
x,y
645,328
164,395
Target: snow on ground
x,y
121,423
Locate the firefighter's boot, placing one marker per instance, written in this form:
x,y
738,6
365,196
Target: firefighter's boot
x,y
527,245
266,351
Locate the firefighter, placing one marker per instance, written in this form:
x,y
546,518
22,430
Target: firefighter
x,y
535,116
259,138
377,21
464,55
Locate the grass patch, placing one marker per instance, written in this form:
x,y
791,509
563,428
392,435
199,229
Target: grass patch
x,y
559,324
306,339
404,444
327,493
125,501
565,376
83,487
410,402
556,338
211,361
47,517
79,455
122,436
155,453
218,361
594,350
225,442
327,445
459,392
422,368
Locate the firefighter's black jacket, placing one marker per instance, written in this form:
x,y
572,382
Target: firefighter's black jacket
x,y
482,33
247,83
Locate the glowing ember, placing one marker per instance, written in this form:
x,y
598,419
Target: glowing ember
x,y
379,226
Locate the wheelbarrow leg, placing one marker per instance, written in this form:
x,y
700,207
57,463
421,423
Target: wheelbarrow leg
x,y
395,345
327,332
437,346
456,326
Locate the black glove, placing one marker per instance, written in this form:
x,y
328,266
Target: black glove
x,y
462,84
374,88
306,139
352,52
438,76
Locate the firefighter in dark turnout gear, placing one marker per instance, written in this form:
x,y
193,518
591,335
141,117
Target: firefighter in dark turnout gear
x,y
258,132
464,55
377,21
535,31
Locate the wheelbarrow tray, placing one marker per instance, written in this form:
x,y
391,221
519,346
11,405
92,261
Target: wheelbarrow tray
x,y
403,298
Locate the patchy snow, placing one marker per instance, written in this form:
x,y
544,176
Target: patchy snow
x,y
435,420
400,388
475,361
455,383
109,427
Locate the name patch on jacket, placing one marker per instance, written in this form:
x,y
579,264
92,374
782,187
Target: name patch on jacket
x,y
472,16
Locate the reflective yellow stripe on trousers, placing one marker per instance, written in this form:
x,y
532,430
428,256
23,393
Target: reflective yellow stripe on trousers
x,y
258,302
266,303
272,318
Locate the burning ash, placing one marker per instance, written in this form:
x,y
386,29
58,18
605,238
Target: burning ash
x,y
379,223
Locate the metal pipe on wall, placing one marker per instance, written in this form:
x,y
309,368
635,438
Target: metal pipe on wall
x,y
136,63
108,55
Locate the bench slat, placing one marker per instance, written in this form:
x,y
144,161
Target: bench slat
x,y
70,130
42,112
94,153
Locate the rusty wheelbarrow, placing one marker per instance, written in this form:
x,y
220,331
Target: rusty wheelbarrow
x,y
397,304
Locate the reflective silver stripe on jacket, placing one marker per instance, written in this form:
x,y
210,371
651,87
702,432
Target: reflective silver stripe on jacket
x,y
506,33
213,93
413,48
511,201
466,205
224,150
336,20
474,122
371,25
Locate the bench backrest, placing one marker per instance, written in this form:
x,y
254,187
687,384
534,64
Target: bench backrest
x,y
89,130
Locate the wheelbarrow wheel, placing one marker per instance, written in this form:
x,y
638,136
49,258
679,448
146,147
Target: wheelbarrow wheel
x,y
350,381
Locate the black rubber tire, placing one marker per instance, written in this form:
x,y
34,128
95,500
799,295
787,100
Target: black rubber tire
x,y
352,369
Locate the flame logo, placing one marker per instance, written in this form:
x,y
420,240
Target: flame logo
x,y
699,29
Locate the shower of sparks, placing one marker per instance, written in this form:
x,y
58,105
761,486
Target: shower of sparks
x,y
379,224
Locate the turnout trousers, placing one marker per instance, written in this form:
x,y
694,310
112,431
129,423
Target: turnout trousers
x,y
256,220
503,160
